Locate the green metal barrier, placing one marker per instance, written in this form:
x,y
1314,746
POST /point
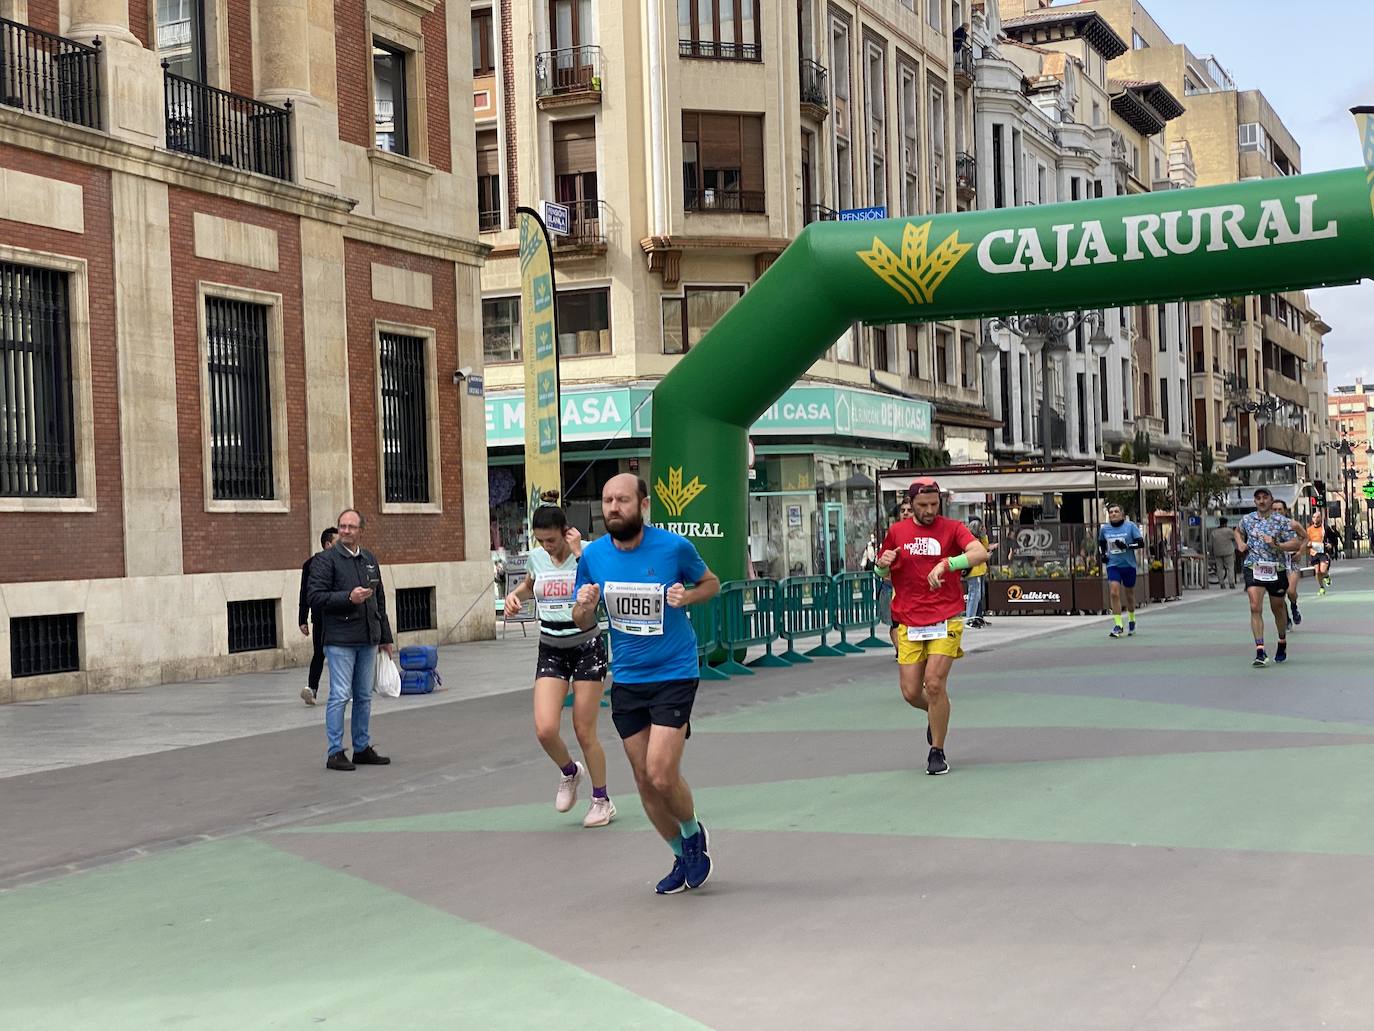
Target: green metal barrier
x,y
856,608
805,610
748,617
705,620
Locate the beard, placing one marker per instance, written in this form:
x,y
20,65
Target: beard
x,y
626,528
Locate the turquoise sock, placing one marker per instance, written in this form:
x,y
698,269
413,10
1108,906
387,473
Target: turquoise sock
x,y
690,827
676,846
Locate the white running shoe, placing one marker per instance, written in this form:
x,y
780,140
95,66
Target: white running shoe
x,y
567,790
599,813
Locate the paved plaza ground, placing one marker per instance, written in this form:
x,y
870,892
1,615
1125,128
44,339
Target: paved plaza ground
x,y
1137,834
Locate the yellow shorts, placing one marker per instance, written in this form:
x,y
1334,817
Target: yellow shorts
x,y
911,652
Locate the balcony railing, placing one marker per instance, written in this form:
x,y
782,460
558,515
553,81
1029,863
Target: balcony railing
x,y
719,51
819,213
964,63
49,75
750,202
586,224
568,72
965,173
815,84
488,221
226,128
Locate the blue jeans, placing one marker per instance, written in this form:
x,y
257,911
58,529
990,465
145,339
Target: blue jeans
x,y
352,670
975,596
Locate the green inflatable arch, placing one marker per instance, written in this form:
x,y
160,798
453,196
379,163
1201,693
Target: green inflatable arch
x,y
1247,238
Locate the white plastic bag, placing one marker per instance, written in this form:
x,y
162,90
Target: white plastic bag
x,y
388,676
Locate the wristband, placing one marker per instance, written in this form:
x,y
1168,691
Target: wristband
x,y
959,562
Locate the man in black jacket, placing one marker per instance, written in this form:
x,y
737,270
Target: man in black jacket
x,y
346,586
310,693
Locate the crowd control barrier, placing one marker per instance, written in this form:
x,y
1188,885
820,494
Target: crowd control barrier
x,y
748,618
856,609
805,609
705,620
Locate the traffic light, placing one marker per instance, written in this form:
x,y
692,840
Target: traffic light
x,y
1319,489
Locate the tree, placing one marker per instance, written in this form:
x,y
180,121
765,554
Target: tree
x,y
1205,487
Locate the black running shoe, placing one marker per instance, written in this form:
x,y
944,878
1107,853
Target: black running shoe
x,y
1297,618
1281,653
1261,658
937,764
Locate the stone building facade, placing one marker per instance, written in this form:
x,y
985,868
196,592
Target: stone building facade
x,y
239,266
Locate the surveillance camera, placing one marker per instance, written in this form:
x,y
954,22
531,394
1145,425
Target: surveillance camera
x,y
461,374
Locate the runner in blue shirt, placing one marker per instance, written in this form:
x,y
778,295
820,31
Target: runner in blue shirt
x,y
641,572
1117,544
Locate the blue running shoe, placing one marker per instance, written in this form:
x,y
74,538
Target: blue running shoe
x,y
1130,628
676,880
1116,632
1281,653
1297,616
696,858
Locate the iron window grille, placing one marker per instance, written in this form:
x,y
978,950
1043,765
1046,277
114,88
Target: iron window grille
x,y
49,75
252,625
44,644
415,609
405,419
240,397
37,442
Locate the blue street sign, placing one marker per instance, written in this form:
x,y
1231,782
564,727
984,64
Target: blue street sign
x,y
475,386
861,214
558,218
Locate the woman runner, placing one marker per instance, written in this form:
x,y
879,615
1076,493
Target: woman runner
x,y
566,653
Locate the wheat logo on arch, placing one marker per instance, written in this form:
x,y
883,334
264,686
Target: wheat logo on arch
x,y
918,273
677,495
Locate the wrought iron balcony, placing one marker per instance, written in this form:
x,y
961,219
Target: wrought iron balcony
x,y
49,75
964,65
815,87
488,221
751,202
966,174
226,128
586,225
719,51
569,75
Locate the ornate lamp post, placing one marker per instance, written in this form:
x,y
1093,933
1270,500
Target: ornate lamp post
x,y
1048,336
1345,448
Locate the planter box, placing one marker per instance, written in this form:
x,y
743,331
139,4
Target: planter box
x,y
1010,597
1090,594
1163,584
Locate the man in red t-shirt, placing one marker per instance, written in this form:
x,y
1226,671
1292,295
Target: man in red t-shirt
x,y
924,556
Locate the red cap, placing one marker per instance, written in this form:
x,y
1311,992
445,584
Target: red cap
x,y
923,485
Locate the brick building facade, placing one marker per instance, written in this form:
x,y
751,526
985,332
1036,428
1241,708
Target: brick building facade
x,y
238,270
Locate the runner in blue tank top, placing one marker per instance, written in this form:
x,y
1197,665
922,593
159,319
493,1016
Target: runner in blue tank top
x,y
642,573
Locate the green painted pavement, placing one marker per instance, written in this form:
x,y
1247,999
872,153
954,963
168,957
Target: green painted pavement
x,y
876,705
237,935
1309,799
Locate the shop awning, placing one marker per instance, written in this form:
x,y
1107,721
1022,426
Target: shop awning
x,y
1084,480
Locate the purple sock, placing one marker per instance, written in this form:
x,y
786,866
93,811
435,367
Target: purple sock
x,y
570,769
600,792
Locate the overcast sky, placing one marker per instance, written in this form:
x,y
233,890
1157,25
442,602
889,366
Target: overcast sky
x,y
1310,60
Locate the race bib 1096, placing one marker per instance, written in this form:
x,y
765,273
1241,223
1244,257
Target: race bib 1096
x,y
635,608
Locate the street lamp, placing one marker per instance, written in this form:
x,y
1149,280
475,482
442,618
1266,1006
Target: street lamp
x,y
1345,448
1048,336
